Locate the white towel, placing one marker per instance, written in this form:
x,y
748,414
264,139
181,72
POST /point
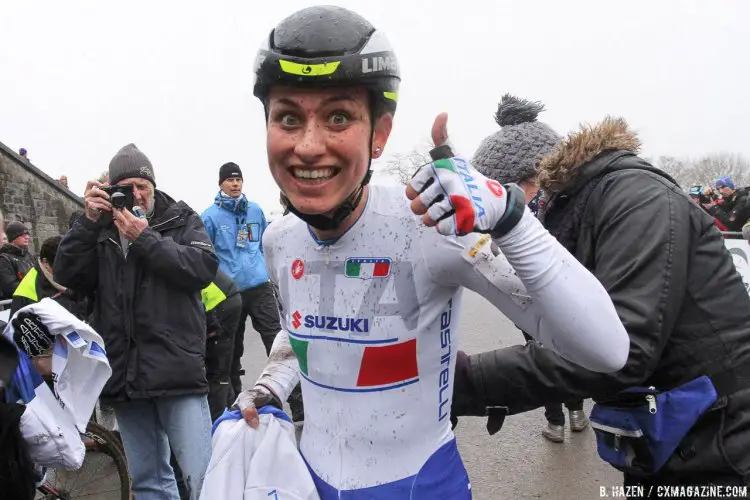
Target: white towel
x,y
52,421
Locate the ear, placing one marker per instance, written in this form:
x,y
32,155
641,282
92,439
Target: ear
x,y
382,131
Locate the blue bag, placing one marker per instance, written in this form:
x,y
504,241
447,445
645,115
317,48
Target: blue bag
x,y
640,428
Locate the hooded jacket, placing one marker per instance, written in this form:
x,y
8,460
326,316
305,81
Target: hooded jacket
x,y
244,262
14,264
674,286
148,306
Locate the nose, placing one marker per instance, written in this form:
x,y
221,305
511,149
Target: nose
x,y
311,145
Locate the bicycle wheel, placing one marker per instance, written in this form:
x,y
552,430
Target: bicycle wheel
x,y
103,475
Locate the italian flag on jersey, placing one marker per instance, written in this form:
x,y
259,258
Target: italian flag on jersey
x,y
380,367
367,267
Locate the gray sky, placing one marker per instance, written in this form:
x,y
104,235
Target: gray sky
x,y
81,79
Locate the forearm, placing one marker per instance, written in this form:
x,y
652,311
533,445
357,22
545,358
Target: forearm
x,y
526,377
188,266
281,373
571,311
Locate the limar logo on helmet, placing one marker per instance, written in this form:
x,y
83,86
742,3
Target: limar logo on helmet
x,y
378,63
309,69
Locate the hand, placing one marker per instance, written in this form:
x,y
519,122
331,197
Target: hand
x,y
128,224
30,334
466,401
452,195
250,400
95,200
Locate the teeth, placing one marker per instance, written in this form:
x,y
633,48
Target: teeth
x,y
321,173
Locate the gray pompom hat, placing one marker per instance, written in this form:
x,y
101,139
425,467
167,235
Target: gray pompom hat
x,y
513,153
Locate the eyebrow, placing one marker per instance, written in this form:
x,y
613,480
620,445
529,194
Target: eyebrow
x,y
329,100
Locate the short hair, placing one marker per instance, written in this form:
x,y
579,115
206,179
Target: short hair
x,y
49,249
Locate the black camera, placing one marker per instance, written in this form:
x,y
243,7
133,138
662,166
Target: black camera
x,y
120,196
703,199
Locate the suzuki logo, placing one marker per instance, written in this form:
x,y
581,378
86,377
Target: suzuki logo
x,y
296,319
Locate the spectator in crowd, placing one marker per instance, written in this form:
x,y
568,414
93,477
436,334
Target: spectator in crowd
x,y
704,198
235,226
733,208
512,155
148,274
39,283
681,300
15,258
64,181
23,154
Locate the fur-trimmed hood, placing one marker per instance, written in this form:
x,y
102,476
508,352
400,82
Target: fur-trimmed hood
x,y
566,166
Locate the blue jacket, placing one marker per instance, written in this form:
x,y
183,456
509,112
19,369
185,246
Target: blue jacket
x,y
246,265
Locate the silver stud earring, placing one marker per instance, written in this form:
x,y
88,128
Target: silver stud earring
x,y
377,149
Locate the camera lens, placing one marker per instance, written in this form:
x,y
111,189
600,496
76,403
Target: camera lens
x,y
117,200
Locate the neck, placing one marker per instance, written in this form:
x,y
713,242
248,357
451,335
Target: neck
x,y
348,222
47,272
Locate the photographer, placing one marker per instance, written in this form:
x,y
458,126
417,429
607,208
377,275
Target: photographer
x,y
733,208
705,196
148,273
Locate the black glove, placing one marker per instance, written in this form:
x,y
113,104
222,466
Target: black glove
x,y
30,334
467,402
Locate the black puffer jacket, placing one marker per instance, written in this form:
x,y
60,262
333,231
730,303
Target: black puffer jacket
x,y
674,286
148,308
14,264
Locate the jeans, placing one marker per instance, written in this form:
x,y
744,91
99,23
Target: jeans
x,y
150,428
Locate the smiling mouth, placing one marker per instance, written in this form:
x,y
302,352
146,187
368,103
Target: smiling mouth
x,y
316,175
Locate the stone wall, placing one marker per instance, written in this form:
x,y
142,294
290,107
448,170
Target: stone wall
x,y
29,195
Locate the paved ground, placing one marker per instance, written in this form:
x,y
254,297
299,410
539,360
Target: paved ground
x,y
517,462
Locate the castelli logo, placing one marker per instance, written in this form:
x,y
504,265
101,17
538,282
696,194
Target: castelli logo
x,y
495,187
298,269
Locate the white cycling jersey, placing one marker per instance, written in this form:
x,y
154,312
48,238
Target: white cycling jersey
x,y
373,319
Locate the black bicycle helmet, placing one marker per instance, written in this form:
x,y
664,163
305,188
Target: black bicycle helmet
x,y
325,46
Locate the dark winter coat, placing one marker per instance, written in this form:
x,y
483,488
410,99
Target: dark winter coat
x,y
14,264
148,306
673,284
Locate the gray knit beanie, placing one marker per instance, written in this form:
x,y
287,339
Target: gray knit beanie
x,y
513,153
130,162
